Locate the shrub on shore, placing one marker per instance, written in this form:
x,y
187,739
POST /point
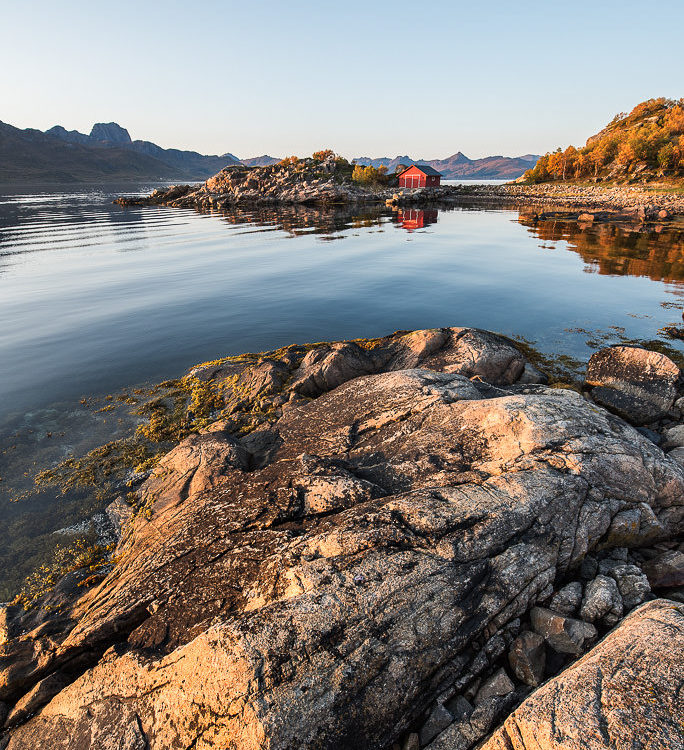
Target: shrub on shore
x,y
370,175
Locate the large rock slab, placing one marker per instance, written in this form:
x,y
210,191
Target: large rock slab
x,y
626,692
319,584
637,384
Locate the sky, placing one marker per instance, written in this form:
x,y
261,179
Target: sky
x,y
365,78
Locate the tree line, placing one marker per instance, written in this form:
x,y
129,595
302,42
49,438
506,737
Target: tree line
x,y
649,140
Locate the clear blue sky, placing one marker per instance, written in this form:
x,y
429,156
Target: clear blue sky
x,y
363,77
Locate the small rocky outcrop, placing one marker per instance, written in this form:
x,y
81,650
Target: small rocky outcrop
x,y
638,384
383,541
303,181
626,692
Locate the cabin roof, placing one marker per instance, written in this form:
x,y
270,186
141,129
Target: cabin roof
x,y
424,168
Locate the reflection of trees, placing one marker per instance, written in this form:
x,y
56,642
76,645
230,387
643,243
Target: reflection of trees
x,y
301,219
616,249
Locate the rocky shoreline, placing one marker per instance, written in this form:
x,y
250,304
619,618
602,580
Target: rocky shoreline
x,y
321,184
414,541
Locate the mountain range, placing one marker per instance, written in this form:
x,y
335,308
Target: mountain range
x,y
109,153
459,166
106,153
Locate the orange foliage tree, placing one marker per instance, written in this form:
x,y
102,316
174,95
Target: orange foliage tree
x,y
649,139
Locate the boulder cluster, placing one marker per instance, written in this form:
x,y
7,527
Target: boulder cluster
x,y
303,181
408,542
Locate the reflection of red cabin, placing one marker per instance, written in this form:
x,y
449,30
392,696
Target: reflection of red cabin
x,y
419,175
417,218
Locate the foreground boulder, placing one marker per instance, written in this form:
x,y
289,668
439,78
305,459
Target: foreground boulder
x,y
638,384
320,582
626,692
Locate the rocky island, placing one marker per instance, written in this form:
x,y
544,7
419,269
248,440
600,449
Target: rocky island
x,y
417,541
631,171
313,182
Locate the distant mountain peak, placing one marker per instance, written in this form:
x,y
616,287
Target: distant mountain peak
x,y
111,132
458,165
260,161
458,158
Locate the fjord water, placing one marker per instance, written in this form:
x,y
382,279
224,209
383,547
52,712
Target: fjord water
x,y
95,297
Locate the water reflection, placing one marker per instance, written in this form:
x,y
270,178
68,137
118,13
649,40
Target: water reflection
x,y
298,220
416,218
654,252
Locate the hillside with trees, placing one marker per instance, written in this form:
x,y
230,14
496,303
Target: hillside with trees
x,y
644,145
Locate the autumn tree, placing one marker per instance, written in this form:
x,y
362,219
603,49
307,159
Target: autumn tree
x,y
650,137
369,175
323,155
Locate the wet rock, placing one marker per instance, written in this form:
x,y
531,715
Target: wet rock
x,y
532,375
665,570
527,658
627,687
635,383
119,513
564,634
499,684
602,601
439,719
158,196
567,601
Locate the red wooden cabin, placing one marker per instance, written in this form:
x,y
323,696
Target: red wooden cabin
x,y
419,175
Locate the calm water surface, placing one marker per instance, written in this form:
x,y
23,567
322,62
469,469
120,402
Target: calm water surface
x,y
95,297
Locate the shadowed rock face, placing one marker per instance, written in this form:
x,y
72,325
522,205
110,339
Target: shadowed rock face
x,y
637,384
317,584
626,690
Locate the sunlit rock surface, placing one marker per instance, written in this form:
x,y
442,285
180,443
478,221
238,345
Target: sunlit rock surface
x,y
323,580
626,692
